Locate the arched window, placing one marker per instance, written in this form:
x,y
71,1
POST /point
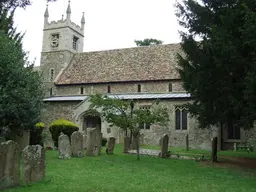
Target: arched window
x,y
109,89
181,118
170,87
139,88
51,75
81,90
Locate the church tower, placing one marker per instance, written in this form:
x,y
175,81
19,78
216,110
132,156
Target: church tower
x,y
61,40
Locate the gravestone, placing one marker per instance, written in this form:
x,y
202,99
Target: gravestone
x,y
64,147
94,138
214,149
84,139
126,144
47,139
9,165
187,143
77,144
164,146
111,145
33,164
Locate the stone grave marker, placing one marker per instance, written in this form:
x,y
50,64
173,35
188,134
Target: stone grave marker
x,y
77,144
164,146
94,138
64,147
9,165
47,139
111,145
33,164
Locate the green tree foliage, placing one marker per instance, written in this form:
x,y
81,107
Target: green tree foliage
x,y
219,70
147,42
119,113
62,125
13,4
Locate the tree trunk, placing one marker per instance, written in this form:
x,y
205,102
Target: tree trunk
x,y
221,136
137,141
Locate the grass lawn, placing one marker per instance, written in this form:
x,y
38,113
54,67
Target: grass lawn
x,y
121,173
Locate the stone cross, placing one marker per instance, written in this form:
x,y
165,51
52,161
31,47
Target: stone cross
x,y
94,138
9,165
111,145
33,164
164,146
77,144
64,147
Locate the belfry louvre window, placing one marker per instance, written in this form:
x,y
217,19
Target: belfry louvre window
x,y
51,91
144,125
75,42
181,118
81,90
170,87
109,89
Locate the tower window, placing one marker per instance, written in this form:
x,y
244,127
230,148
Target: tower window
x,y
109,89
51,75
170,87
51,91
75,41
55,40
81,90
139,88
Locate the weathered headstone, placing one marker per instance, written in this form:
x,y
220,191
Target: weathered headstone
x,y
164,146
111,145
64,147
47,139
77,144
235,148
84,139
126,144
33,164
187,143
214,149
94,137
9,165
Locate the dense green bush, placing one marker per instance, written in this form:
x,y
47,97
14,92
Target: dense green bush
x,y
62,125
104,142
35,134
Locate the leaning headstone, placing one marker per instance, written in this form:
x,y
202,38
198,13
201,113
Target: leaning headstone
x,y
9,165
47,139
111,145
187,143
64,147
2,139
126,144
94,137
214,149
33,164
77,144
164,146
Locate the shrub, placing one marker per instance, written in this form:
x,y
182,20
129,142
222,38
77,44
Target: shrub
x,y
35,134
62,125
104,142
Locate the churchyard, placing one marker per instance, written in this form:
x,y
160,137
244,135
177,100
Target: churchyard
x,y
107,168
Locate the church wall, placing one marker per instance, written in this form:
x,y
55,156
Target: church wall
x,y
120,88
57,110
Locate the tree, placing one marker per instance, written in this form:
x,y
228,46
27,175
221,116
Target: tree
x,y
147,42
21,87
13,4
120,113
219,70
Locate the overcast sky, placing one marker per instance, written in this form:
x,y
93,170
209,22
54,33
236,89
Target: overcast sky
x,y
110,24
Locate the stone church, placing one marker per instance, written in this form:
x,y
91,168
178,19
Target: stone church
x,y
142,74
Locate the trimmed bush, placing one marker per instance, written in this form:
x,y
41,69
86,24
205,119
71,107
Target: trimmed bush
x,y
62,125
104,142
35,134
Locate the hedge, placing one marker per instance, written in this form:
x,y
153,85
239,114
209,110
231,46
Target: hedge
x,y
35,134
62,125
